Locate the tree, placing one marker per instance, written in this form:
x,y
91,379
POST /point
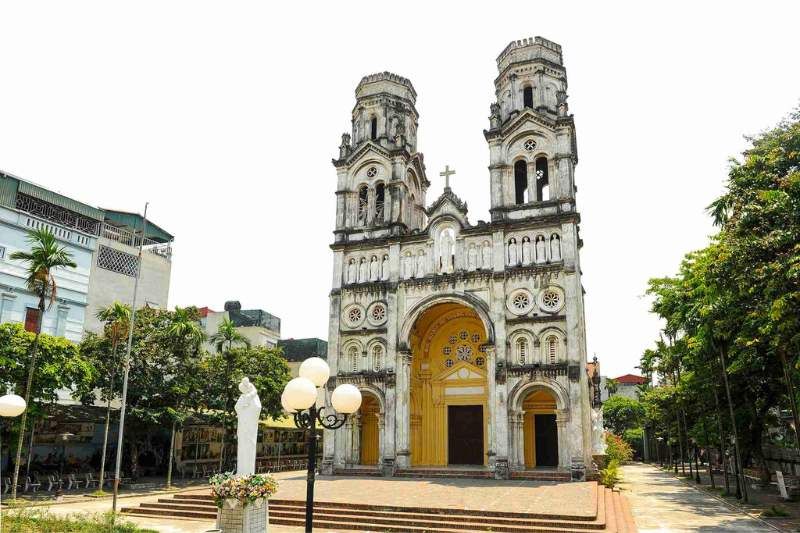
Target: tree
x,y
621,413
611,386
44,259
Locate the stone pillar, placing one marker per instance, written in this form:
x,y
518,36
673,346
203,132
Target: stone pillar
x,y
563,427
355,449
519,424
403,411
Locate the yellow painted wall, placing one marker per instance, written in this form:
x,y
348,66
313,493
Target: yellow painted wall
x,y
446,356
369,430
536,403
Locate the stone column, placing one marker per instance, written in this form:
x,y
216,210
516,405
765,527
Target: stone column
x,y
403,411
519,422
355,449
381,436
565,450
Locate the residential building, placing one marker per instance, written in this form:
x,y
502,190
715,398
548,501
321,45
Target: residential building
x,y
298,350
258,326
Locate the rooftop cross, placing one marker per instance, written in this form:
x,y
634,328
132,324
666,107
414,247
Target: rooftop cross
x,y
447,173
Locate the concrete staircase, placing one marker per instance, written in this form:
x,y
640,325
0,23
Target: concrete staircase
x,y
612,515
458,473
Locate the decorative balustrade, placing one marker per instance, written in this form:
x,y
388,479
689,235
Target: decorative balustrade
x,y
129,238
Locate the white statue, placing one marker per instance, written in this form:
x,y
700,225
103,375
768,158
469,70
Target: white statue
x,y
374,269
248,410
486,256
541,247
352,272
512,252
420,264
363,271
598,432
555,248
527,251
407,266
472,258
446,251
385,268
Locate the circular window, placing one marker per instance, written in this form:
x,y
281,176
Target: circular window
x,y
377,314
551,299
476,338
480,361
448,363
463,335
464,352
372,172
452,339
530,144
354,315
520,301
447,350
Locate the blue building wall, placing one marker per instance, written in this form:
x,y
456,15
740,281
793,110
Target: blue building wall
x,y
67,315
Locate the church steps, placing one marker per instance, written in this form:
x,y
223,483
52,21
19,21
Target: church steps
x,y
146,511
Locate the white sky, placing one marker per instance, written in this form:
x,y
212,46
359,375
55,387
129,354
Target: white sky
x,y
225,117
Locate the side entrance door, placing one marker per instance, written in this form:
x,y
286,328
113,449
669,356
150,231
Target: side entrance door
x,y
546,440
465,434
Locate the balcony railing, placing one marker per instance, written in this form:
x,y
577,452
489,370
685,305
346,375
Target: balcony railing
x,y
129,238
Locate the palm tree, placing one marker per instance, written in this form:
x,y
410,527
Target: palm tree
x,y
184,329
611,387
45,257
226,333
117,319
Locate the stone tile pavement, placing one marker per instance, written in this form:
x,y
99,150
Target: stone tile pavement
x,y
660,502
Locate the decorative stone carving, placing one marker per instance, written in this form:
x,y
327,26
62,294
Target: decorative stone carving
x,y
494,116
363,271
248,411
446,248
513,257
420,271
385,268
555,247
374,269
472,258
598,432
541,249
352,272
527,251
344,148
486,256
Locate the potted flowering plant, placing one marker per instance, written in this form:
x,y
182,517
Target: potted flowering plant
x,y
233,491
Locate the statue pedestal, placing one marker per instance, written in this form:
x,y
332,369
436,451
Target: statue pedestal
x,y
251,518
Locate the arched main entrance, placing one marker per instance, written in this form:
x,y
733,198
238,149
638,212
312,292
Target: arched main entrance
x,y
369,437
540,432
448,387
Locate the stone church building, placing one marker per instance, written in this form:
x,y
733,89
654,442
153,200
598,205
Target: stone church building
x,y
467,340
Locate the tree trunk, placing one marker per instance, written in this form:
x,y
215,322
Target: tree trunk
x,y
171,453
740,477
30,450
722,441
787,376
24,419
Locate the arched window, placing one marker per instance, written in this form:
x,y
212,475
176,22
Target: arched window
x,y
352,355
363,204
377,358
373,128
379,202
552,349
527,97
520,182
542,180
522,351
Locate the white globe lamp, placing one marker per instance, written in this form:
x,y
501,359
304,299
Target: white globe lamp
x,y
11,405
346,399
299,394
285,405
315,369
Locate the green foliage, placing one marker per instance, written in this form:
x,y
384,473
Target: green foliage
x,y
609,476
611,386
42,521
621,413
775,512
617,449
43,259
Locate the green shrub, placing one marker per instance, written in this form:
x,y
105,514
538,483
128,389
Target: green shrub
x,y
775,512
41,521
609,476
617,449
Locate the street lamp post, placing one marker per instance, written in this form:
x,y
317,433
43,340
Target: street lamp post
x,y
11,406
658,450
64,437
300,399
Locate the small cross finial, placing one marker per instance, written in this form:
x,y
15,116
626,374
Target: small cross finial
x,y
447,173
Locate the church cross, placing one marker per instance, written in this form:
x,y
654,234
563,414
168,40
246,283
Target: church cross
x,y
447,173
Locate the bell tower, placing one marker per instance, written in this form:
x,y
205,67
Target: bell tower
x,y
531,136
381,176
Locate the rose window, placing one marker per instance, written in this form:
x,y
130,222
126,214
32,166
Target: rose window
x,y
521,301
530,144
447,350
378,313
354,315
372,172
482,349
551,300
476,338
452,339
464,352
448,363
480,361
463,335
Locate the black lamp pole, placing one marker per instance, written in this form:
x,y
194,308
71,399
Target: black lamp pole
x,y
308,420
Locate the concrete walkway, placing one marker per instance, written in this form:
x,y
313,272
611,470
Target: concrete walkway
x,y
660,502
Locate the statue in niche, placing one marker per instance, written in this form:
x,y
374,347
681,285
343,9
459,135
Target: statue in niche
x,y
472,258
420,273
494,116
374,269
357,129
513,259
541,249
363,270
561,102
344,148
385,268
248,411
408,266
446,244
486,256
352,271
527,251
555,248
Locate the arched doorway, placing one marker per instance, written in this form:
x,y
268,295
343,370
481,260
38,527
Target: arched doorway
x,y
449,387
540,431
369,437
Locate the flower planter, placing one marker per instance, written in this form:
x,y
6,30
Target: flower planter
x,y
233,517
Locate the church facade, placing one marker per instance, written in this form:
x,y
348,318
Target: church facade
x,y
466,340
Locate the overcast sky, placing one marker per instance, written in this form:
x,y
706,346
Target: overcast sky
x,y
225,117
